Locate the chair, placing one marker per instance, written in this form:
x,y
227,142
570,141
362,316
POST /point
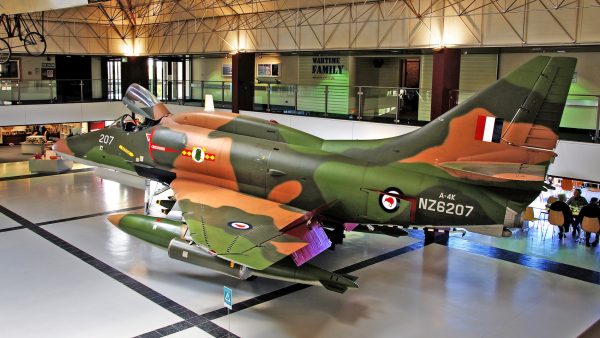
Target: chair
x,y
529,215
590,224
555,218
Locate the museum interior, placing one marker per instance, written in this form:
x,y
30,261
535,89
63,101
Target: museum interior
x,y
168,167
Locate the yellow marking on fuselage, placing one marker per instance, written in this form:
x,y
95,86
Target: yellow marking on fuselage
x,y
125,150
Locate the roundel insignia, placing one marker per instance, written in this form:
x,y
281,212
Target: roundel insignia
x,y
240,225
198,154
389,200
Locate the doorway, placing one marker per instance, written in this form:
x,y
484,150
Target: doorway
x,y
170,78
113,76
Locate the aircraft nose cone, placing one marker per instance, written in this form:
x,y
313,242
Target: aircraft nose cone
x,y
61,147
115,219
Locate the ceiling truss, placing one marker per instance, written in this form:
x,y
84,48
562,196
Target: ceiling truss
x,y
209,26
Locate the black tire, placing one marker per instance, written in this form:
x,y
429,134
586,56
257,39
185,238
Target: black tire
x,y
35,44
5,52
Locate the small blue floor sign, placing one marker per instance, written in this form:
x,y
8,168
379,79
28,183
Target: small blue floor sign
x,y
227,297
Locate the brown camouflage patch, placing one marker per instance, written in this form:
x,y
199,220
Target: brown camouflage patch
x,y
205,120
288,248
285,192
216,197
459,144
218,171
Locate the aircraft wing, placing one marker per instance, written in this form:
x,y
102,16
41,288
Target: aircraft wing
x,y
244,229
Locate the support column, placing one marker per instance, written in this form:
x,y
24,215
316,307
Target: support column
x,y
242,78
135,70
446,75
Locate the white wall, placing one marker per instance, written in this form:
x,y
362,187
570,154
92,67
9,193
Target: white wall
x,y
577,160
332,129
59,113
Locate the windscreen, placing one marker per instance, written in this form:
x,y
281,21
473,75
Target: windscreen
x,y
140,101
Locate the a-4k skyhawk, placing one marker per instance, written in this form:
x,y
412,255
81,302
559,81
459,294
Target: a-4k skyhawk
x,y
261,199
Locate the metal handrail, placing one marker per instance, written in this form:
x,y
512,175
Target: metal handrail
x,y
385,103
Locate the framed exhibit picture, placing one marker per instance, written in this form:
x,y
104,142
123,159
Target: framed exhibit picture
x,y
48,71
11,70
226,69
268,70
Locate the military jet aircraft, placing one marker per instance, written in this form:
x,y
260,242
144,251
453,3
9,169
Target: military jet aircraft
x,y
262,199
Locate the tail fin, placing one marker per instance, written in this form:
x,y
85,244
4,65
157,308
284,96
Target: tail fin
x,y
513,122
530,101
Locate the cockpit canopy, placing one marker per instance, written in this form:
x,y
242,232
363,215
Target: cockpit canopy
x,y
140,101
129,123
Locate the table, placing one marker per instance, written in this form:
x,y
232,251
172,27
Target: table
x,y
49,166
32,148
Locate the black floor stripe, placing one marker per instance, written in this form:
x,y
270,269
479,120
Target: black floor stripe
x,y
533,262
216,314
89,215
12,228
20,177
186,314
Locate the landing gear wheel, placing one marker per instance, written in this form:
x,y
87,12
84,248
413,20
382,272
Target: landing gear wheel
x,y
5,52
35,44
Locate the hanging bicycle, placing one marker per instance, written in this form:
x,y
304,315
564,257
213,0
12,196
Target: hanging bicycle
x,y
25,30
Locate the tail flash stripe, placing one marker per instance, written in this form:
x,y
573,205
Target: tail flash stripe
x,y
480,127
488,129
497,134
488,133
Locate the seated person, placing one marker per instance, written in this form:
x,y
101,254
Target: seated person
x,y
591,210
563,207
577,201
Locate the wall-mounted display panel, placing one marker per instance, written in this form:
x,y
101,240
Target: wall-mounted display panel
x,y
226,69
268,70
10,70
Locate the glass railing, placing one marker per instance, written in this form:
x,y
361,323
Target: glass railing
x,y
376,104
580,121
220,90
58,91
390,104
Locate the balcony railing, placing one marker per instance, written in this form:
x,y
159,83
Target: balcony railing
x,y
580,122
377,104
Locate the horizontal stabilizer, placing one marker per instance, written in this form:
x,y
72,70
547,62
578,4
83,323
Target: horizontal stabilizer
x,y
496,171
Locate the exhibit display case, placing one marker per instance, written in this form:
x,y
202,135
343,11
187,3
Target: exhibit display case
x,y
33,144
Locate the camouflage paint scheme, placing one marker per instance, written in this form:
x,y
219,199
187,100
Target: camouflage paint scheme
x,y
226,168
